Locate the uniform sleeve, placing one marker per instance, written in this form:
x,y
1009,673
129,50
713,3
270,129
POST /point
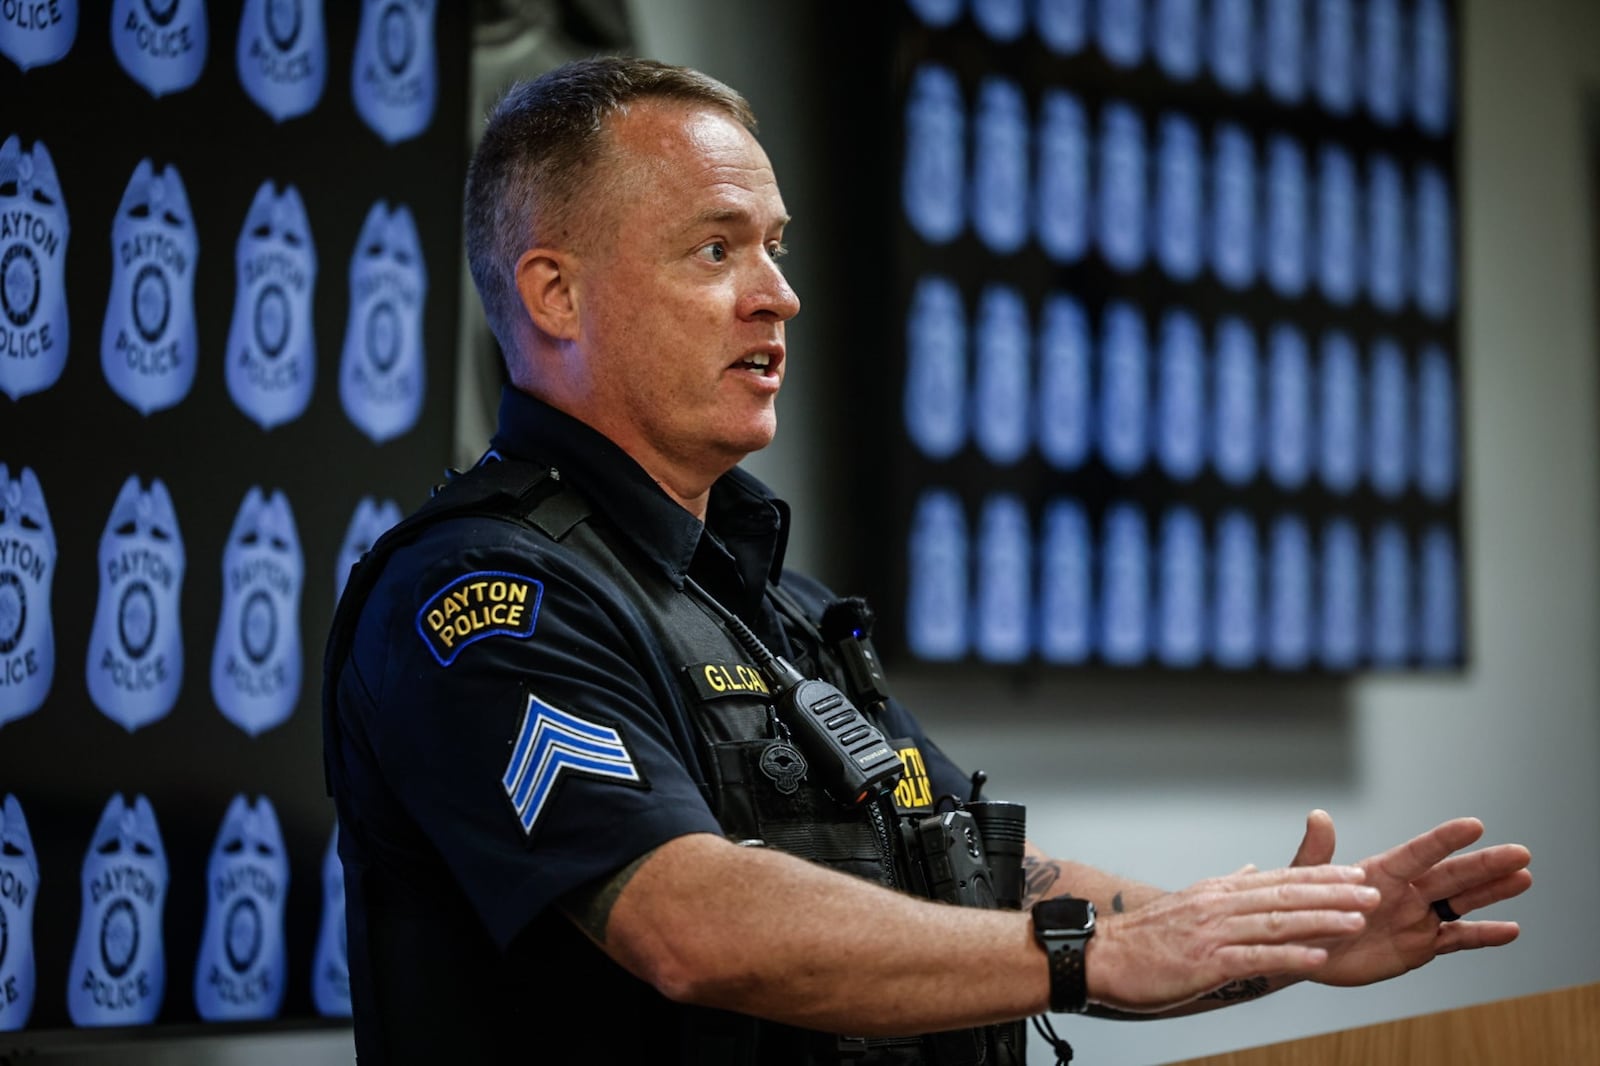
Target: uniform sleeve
x,y
519,720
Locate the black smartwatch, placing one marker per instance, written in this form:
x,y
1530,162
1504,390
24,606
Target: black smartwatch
x,y
1062,926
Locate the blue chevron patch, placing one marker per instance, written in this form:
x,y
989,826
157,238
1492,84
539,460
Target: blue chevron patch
x,y
552,742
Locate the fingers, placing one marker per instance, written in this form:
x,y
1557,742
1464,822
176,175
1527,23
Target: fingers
x,y
1420,854
1316,847
1467,875
1464,936
1251,960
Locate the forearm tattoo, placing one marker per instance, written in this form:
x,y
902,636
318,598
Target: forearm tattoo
x,y
1243,989
1117,904
1039,876
590,907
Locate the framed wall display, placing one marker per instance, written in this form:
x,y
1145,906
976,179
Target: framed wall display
x,y
1176,372
229,273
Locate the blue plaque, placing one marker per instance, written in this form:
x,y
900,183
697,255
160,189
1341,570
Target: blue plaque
x,y
271,357
933,185
1391,419
1386,234
1120,224
28,562
1289,600
936,13
394,75
1339,425
1002,20
1382,66
160,43
1066,591
1391,596
256,660
1062,204
239,974
1334,76
935,402
382,367
1283,52
1176,38
1065,414
1124,389
1435,243
1003,626
1236,438
1433,68
1436,424
1440,598
1180,396
1342,625
1337,221
1063,25
1181,606
34,324
1285,256
1233,226
1289,434
1125,587
1119,31
282,55
1178,241
1000,166
1001,382
1232,41
118,973
19,873
936,602
1238,592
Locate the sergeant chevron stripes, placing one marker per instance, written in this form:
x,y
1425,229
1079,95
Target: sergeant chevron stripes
x,y
551,743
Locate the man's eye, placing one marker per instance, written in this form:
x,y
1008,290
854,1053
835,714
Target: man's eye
x,y
716,252
777,249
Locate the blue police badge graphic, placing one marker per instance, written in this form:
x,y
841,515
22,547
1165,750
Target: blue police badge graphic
x,y
1061,205
1289,597
936,601
1064,413
1066,586
935,401
1000,166
1119,30
256,660
36,33
1178,236
1001,425
160,43
1289,437
1339,633
239,974
19,890
33,255
1063,25
553,743
394,76
1439,600
330,962
1176,37
135,660
1124,427
1002,604
1433,73
1232,41
1390,401
1339,419
381,369
1284,253
1386,234
1120,218
1233,222
1382,63
1333,70
27,572
283,55
1180,595
1435,243
118,974
271,358
147,345
1338,225
1236,438
1180,395
1436,424
938,13
1392,613
1237,594
472,607
372,518
1283,53
1125,588
933,183
1001,20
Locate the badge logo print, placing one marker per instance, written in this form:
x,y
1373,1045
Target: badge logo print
x,y
784,766
135,661
330,966
19,887
1062,203
239,974
256,660
372,519
936,607
272,349
1065,597
551,743
1000,387
381,371
33,256
1004,611
119,970
1121,223
147,345
932,184
1179,618
478,605
1000,167
34,34
160,43
936,368
1125,596
283,55
27,571
1065,424
394,78
1177,237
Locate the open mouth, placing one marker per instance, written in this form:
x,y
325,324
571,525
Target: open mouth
x,y
756,362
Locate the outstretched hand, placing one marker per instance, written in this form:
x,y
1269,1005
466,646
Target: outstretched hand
x,y
1405,932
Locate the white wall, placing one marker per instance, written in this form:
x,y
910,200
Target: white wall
x,y
1176,781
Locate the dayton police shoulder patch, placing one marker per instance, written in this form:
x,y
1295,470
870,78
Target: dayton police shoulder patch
x,y
481,604
552,743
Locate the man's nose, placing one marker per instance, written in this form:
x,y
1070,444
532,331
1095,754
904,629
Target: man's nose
x,y
769,294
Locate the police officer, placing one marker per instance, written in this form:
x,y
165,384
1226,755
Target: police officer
x,y
581,819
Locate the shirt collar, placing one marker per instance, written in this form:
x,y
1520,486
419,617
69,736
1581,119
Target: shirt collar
x,y
751,523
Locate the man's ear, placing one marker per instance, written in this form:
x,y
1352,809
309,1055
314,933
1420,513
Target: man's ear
x,y
545,284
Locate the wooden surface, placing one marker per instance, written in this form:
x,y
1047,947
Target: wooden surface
x,y
1560,1027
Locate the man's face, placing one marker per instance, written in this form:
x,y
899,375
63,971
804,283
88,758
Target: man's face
x,y
681,304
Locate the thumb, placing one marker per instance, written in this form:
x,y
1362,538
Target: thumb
x,y
1316,847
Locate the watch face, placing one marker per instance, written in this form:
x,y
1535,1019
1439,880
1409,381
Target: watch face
x,y
1064,914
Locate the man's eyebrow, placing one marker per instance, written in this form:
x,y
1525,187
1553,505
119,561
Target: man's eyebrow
x,y
723,215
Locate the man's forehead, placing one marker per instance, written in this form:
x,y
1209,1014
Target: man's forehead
x,y
690,149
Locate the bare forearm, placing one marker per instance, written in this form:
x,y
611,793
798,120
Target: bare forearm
x,y
1045,877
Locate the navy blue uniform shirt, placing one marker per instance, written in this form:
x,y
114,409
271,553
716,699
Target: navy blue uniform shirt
x,y
480,637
